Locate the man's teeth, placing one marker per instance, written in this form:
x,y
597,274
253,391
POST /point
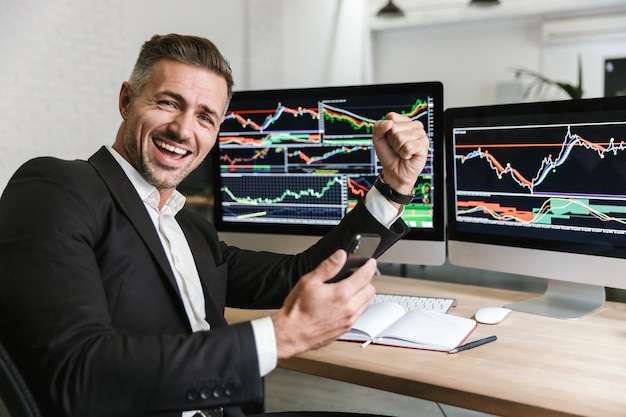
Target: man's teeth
x,y
170,147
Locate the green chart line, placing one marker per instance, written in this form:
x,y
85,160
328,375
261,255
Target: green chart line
x,y
287,193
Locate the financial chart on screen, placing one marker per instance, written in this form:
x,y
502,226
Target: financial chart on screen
x,y
543,175
304,157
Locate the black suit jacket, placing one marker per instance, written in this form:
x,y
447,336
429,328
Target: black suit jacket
x,y
90,310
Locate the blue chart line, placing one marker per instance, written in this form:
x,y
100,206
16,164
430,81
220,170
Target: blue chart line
x,y
325,154
549,164
270,118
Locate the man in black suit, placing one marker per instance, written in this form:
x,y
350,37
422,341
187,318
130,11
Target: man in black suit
x,y
112,294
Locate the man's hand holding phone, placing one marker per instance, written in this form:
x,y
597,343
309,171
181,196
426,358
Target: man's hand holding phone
x,y
315,313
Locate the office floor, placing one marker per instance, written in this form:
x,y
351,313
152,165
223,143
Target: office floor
x,y
294,391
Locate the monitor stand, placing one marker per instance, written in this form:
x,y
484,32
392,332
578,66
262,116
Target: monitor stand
x,y
565,300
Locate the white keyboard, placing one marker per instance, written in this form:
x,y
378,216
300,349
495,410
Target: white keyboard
x,y
413,302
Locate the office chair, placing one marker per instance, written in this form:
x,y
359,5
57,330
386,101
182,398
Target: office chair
x,y
14,392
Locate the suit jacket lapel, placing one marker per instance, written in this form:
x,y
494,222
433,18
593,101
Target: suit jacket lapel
x,y
129,202
205,265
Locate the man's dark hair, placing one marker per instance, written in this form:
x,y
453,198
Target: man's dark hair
x,y
192,50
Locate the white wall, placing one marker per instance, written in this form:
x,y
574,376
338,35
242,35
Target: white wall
x,y
469,58
63,62
473,59
59,77
326,43
221,21
593,39
303,43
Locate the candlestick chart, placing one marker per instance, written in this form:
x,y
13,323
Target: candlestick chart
x,y
310,160
557,176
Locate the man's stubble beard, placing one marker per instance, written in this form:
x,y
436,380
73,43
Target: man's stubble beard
x,y
157,175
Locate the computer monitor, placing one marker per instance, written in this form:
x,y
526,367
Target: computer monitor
x,y
539,189
293,162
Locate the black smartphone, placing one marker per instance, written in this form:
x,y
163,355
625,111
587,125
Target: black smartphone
x,y
361,248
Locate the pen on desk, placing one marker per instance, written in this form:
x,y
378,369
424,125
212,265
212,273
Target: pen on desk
x,y
473,344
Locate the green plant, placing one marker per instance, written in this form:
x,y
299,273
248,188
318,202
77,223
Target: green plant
x,y
540,82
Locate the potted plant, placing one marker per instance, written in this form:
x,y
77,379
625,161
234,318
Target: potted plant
x,y
539,82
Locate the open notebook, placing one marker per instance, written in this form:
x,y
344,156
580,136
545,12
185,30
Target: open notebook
x,y
390,324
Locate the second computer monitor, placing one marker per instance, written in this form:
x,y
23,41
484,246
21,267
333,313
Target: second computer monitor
x,y
293,162
539,189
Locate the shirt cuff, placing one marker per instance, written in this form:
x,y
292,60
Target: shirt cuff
x,y
381,209
265,340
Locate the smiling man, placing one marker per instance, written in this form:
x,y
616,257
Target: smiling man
x,y
112,293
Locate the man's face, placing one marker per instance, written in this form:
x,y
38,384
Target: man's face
x,y
172,124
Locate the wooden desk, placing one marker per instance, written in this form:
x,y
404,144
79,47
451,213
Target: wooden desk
x,y
539,366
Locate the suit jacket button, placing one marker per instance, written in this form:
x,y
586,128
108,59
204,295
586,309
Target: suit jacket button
x,y
205,393
192,395
218,391
230,390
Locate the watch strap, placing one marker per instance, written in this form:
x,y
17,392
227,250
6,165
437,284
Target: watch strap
x,y
391,194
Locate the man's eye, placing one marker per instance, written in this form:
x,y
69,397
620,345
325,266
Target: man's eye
x,y
167,103
206,119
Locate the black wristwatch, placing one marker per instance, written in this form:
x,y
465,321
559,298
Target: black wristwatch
x,y
391,194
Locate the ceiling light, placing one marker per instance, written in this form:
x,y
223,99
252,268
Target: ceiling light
x,y
390,10
484,3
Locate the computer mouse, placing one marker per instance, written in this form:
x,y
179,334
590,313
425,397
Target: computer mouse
x,y
491,315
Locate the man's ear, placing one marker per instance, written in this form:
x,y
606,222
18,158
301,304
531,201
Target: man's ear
x,y
125,99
